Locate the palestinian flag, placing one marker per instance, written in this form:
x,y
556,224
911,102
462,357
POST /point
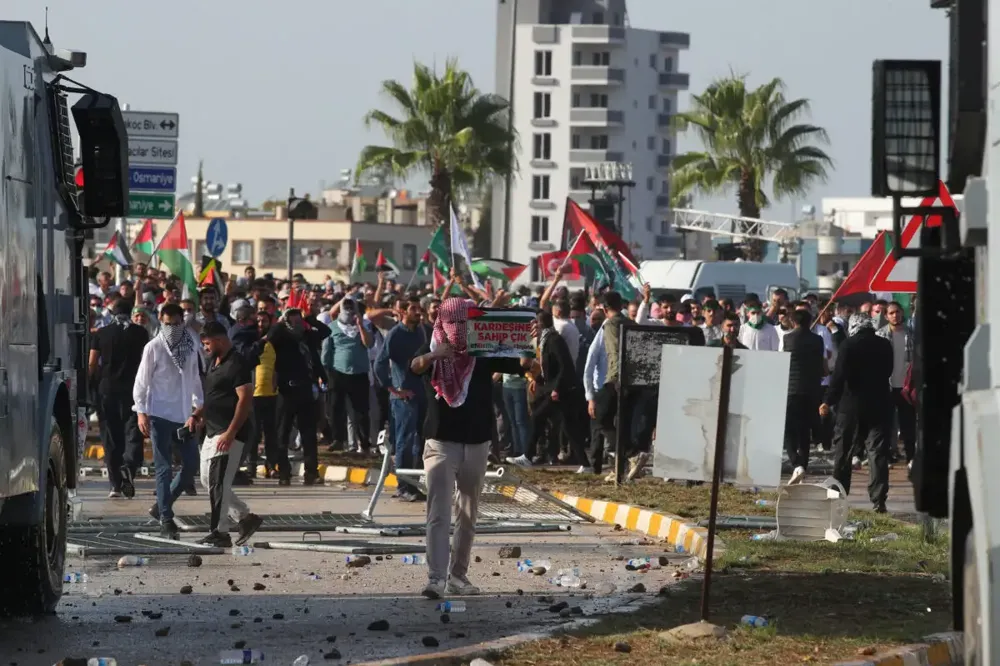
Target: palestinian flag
x,y
634,275
116,251
386,265
550,262
584,252
424,267
438,247
859,280
172,251
577,220
143,242
498,269
358,265
441,279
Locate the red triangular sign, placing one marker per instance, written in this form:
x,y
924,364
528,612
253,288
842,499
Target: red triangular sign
x,y
900,275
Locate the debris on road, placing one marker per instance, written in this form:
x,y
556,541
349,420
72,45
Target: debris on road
x,y
334,653
259,587
622,646
379,625
123,619
162,632
186,589
429,641
509,552
358,561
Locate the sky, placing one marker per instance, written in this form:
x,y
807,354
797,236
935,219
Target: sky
x,y
272,94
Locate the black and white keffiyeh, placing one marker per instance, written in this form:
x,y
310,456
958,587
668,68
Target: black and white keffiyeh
x,y
179,343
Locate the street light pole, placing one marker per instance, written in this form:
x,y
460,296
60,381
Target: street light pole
x,y
291,232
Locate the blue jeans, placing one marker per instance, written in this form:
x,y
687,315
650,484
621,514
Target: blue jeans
x,y
515,402
407,424
163,434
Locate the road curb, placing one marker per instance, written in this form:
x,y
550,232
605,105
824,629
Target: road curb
x,y
683,536
944,649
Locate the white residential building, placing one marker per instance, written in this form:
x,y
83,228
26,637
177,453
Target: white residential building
x,y
588,88
866,216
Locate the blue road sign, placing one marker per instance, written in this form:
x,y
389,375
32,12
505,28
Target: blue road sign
x,y
216,237
152,179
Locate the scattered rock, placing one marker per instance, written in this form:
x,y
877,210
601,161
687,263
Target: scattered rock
x,y
638,588
478,559
565,612
259,587
379,558
187,589
379,625
555,608
696,631
509,552
622,646
458,634
117,592
663,560
194,561
538,571
258,620
618,528
429,641
866,651
233,612
239,645
162,632
236,625
445,618
266,576
496,573
230,581
331,639
546,600
664,591
334,653
123,619
520,592
234,588
359,561
509,604
278,616
576,610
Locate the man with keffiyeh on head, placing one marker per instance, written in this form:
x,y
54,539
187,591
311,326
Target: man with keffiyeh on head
x,y
167,391
458,430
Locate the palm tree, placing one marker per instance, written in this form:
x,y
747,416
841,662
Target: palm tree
x,y
446,128
749,138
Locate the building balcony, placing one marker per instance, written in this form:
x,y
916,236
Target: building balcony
x,y
829,245
592,156
542,204
581,196
675,80
662,201
675,40
545,34
596,117
598,34
664,161
664,121
667,241
598,75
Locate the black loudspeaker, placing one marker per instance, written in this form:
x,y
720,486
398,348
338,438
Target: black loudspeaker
x,y
967,83
103,154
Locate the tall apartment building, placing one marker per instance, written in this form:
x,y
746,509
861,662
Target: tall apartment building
x,y
588,88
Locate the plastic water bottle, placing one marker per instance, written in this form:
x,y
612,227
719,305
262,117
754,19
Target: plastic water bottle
x,y
75,582
763,502
355,558
567,578
240,656
414,559
639,562
451,607
102,661
132,561
524,565
891,536
302,660
242,551
753,621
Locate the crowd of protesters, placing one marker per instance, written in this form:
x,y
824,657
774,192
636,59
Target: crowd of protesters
x,y
258,367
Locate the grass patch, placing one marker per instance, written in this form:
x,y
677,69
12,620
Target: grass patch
x,y
342,459
814,618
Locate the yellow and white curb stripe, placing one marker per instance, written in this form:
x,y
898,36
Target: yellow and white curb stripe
x,y
680,534
945,649
360,476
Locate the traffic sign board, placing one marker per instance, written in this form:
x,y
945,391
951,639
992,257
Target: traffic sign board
x,y
152,179
152,151
216,237
143,204
151,124
900,275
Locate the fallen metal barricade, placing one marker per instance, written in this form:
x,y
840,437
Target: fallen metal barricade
x,y
89,545
347,546
415,530
284,522
113,524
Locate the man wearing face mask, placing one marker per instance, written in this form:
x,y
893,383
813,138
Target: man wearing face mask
x,y
758,334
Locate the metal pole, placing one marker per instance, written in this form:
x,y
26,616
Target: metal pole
x,y
291,233
123,232
509,178
725,382
621,202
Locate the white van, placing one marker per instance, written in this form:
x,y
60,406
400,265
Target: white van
x,y
725,279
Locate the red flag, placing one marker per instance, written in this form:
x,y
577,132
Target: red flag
x,y
439,279
579,220
550,262
860,277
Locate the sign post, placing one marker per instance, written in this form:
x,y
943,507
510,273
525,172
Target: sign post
x,y
152,156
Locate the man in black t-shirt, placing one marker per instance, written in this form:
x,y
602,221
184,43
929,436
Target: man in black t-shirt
x,y
114,362
228,390
458,432
806,370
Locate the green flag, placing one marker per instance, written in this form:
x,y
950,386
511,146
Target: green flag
x,y
439,247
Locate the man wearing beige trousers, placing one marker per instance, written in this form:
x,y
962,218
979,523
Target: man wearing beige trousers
x,y
457,430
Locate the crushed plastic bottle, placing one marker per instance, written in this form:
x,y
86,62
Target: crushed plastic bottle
x,y
691,563
356,558
764,502
451,607
302,660
891,536
567,578
639,562
754,621
680,549
132,561
242,551
75,582
414,559
524,565
241,657
766,536
102,661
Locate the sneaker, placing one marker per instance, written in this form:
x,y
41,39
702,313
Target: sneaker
x,y
461,586
217,540
879,507
114,494
284,481
909,466
612,475
312,480
797,475
414,496
191,491
128,483
154,512
169,530
433,590
520,461
856,462
250,524
242,478
636,465
585,470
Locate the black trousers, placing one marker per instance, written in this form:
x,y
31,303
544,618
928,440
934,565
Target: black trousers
x,y
296,409
119,448
869,429
265,410
906,420
562,413
595,452
352,389
800,413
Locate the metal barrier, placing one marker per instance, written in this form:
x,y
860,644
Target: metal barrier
x,y
88,545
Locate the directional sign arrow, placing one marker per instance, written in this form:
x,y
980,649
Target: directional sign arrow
x,y
165,206
167,124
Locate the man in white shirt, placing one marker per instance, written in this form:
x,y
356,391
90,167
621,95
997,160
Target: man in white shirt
x,y
167,390
758,334
565,327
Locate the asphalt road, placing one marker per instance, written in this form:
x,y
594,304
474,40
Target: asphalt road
x,y
312,604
